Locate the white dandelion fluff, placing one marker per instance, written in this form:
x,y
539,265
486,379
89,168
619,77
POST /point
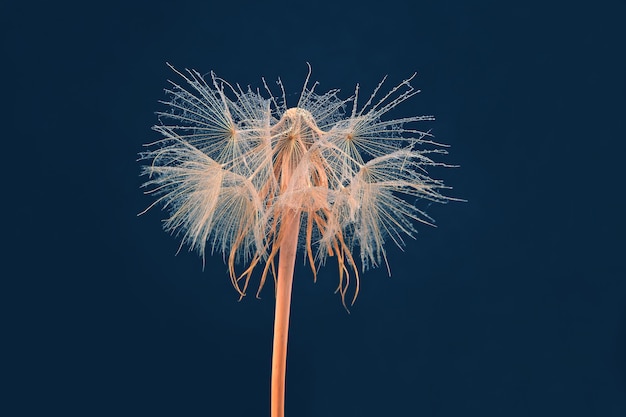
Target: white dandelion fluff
x,y
245,175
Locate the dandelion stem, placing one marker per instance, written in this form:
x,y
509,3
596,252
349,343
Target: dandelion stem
x,y
290,226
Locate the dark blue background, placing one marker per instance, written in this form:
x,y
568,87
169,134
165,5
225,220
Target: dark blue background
x,y
514,306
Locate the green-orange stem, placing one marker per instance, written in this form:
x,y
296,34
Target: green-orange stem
x,y
289,229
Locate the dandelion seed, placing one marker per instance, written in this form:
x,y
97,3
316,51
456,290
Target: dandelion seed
x,y
252,178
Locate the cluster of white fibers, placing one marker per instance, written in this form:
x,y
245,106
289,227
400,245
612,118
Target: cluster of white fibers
x,y
230,163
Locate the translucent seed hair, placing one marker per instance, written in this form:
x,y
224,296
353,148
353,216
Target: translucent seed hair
x,y
232,161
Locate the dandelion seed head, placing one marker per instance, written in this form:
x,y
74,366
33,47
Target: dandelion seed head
x,y
231,162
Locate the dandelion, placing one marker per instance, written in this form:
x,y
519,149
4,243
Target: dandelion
x,y
258,181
